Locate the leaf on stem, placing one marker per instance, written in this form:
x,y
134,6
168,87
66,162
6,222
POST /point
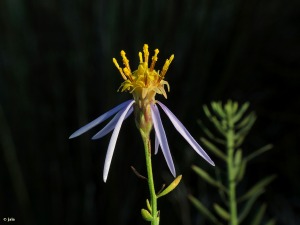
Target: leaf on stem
x,y
221,212
240,112
148,205
146,215
201,208
171,187
214,149
258,187
259,152
209,134
208,178
249,205
259,215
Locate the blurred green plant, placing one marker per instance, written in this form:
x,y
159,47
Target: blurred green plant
x,y
233,125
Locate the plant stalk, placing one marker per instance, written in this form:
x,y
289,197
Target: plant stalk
x,y
153,197
231,176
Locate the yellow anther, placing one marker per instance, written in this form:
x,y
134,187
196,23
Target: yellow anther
x,y
154,59
166,66
127,72
125,60
146,53
141,57
119,68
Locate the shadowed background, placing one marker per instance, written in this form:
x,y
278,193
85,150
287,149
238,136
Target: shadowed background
x,y
56,74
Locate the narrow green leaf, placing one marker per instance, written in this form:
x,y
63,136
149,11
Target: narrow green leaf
x,y
235,107
148,205
245,129
259,215
208,178
241,171
240,112
214,149
245,211
209,134
221,212
206,111
271,222
217,107
245,120
146,215
218,126
202,209
259,152
239,140
228,108
259,186
238,157
237,163
171,187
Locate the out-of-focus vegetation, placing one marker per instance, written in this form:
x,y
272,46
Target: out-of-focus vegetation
x,y
56,74
237,200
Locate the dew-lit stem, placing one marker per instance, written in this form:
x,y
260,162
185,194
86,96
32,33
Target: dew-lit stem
x,y
153,197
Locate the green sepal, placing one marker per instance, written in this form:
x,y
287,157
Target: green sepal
x,y
221,212
148,205
171,187
146,215
208,178
202,209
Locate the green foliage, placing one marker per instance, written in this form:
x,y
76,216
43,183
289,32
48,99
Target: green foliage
x,y
232,124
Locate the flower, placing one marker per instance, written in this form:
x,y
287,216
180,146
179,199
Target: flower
x,y
143,83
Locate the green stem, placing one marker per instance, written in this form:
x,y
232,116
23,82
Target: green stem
x,y
153,198
231,175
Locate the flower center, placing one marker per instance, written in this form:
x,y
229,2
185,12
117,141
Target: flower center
x,y
145,82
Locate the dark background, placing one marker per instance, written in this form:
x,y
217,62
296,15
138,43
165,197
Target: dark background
x,y
56,74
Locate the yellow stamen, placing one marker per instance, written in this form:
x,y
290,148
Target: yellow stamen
x,y
119,68
154,59
146,53
141,57
125,61
166,66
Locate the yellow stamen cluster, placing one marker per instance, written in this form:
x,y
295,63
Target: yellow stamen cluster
x,y
144,82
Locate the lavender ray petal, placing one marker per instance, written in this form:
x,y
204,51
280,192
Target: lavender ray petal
x,y
100,119
184,132
111,125
156,144
161,136
113,140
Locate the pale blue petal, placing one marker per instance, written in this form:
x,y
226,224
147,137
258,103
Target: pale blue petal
x,y
111,125
156,144
100,119
113,140
187,136
161,136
